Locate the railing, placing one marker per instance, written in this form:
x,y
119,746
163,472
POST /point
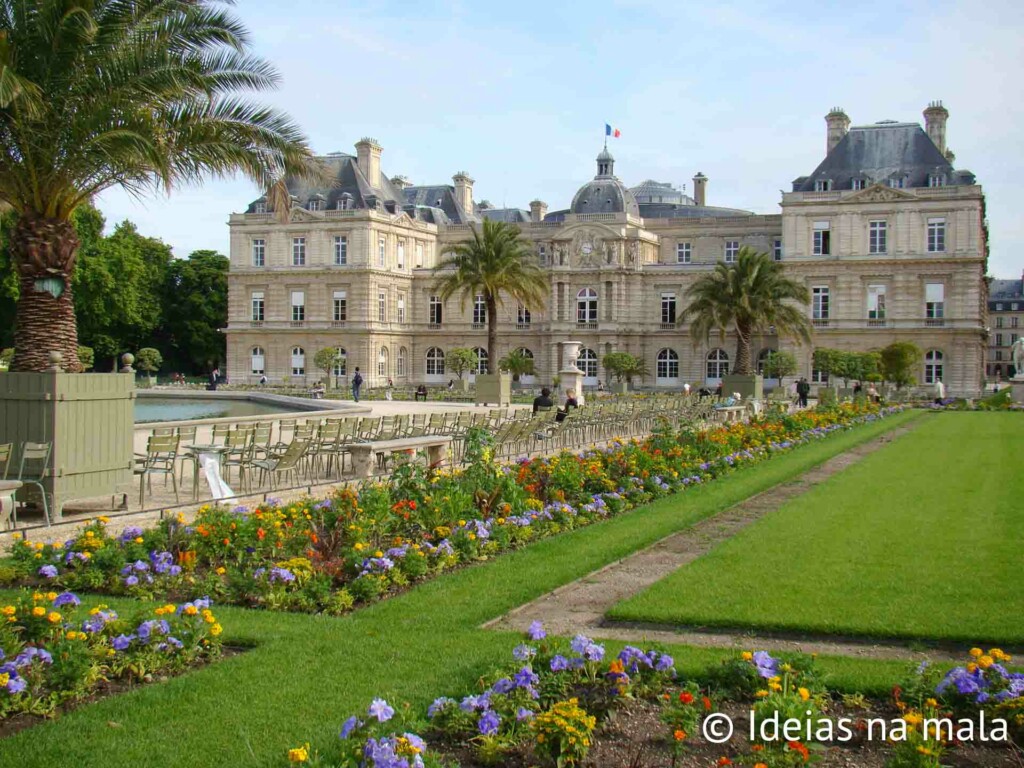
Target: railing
x,y
522,326
587,325
934,322
668,326
255,323
479,326
434,326
338,323
297,323
877,322
820,322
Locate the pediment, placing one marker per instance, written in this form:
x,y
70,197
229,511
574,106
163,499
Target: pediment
x,y
301,214
402,219
878,193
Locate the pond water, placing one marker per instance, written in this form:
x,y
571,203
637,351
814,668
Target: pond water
x,y
150,409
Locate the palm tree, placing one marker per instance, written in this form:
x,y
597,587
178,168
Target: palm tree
x,y
749,295
497,263
137,94
518,363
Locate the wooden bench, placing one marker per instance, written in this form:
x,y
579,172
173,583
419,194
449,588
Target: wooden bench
x,y
7,491
363,453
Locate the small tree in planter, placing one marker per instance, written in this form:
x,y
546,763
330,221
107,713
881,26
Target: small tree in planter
x,y
779,365
87,357
898,362
518,363
149,361
624,367
461,360
327,359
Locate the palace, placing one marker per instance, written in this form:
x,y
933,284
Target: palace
x,y
889,238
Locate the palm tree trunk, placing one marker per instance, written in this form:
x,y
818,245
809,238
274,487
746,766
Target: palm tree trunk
x,y
744,365
44,249
492,333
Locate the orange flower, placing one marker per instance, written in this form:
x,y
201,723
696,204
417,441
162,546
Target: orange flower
x,y
679,735
707,703
723,760
686,697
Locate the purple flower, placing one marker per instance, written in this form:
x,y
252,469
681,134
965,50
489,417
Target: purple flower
x,y
580,643
131,581
439,705
504,685
350,725
381,710
489,722
49,571
523,652
593,652
121,642
559,663
66,598
523,714
16,685
665,663
536,631
765,664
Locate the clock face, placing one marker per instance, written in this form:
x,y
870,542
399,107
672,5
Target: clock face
x,y
587,248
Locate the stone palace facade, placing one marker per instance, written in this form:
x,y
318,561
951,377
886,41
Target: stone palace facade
x,y
889,238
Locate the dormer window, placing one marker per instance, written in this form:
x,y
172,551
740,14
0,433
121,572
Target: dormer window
x,y
345,202
936,180
316,205
857,184
823,185
898,182
260,206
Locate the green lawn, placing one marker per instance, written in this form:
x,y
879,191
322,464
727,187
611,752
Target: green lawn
x,y
307,673
919,540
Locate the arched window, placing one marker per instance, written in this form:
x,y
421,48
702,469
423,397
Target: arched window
x,y
933,366
762,358
382,363
298,361
586,306
668,366
342,362
587,362
525,352
435,361
482,360
718,364
403,354
259,361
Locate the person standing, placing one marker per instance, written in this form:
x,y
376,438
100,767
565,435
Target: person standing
x,y
803,389
214,378
940,391
388,388
357,383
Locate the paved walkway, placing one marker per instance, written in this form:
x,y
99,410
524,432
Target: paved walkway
x,y
580,606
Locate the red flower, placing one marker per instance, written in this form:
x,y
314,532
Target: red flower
x,y
723,760
707,703
686,697
412,505
261,534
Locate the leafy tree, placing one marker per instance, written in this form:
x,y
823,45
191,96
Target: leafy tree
x,y
326,360
899,360
195,308
624,366
779,364
497,263
461,360
136,94
149,360
87,358
518,363
6,356
824,360
749,295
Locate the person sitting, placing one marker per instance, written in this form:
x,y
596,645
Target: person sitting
x,y
543,401
570,403
421,393
451,385
263,380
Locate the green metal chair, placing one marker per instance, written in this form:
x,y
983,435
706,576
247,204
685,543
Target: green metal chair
x,y
38,455
6,451
161,458
289,462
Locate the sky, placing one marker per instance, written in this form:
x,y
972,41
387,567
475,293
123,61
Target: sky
x,y
518,94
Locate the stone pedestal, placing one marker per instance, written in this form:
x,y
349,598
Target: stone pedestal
x,y
749,387
1017,389
494,389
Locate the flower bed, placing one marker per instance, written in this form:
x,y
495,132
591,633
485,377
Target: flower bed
x,y
559,703
362,543
54,651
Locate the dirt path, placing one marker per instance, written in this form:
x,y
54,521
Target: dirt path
x,y
580,606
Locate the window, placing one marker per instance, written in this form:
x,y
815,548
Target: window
x,y
668,365
936,235
340,307
762,358
298,251
382,252
936,180
259,252
999,320
435,362
260,206
818,377
1014,321
586,306
341,364
401,308
999,355
777,249
732,247
257,306
400,255
482,359
587,362
857,184
436,312
298,361
821,243
877,231
823,185
1013,339
876,302
340,250
999,339
898,182
819,302
298,306
1014,306
542,254
382,306
419,255
522,317
999,307
668,309
316,205
934,301
479,311
382,363
717,364
403,353
932,366
258,361
683,253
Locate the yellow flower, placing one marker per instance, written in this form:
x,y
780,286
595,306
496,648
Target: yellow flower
x,y
138,539
191,610
976,652
761,694
103,519
972,668
39,611
4,678
804,693
51,596
299,754
221,570
8,610
378,553
985,662
216,629
748,656
54,617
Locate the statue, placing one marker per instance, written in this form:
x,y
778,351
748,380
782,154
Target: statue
x,y
1017,356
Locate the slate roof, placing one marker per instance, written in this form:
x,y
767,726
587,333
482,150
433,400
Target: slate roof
x,y
879,152
507,215
1005,290
442,198
672,211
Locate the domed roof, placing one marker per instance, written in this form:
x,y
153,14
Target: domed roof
x,y
605,194
651,191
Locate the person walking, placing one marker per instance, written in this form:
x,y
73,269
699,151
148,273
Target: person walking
x,y
803,389
388,388
214,378
357,383
940,391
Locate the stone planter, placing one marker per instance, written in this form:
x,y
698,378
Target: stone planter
x,y
89,420
462,385
750,387
619,388
494,389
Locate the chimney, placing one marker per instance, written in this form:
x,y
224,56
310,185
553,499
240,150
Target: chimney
x,y
538,210
400,182
700,184
838,124
935,117
368,159
464,191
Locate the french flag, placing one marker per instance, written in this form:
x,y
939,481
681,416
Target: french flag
x,y
609,131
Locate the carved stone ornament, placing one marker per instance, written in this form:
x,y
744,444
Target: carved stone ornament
x,y
878,194
587,247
